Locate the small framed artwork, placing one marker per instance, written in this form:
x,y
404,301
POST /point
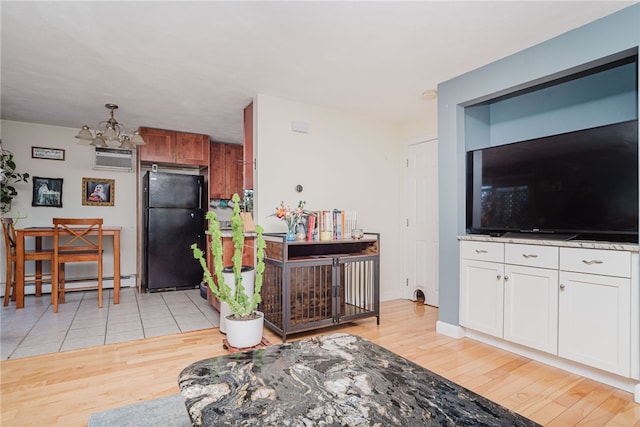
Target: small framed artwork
x,y
98,191
47,192
47,153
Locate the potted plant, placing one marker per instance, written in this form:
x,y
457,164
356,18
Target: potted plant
x,y
8,177
231,286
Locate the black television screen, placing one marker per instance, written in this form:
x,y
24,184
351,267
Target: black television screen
x,y
583,184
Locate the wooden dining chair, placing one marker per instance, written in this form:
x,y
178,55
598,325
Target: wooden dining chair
x,y
75,240
38,255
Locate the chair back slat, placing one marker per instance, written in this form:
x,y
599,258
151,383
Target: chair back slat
x,y
71,243
71,235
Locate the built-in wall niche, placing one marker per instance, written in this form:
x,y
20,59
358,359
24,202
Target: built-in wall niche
x,y
597,96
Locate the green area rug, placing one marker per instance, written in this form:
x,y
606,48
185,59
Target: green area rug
x,y
166,411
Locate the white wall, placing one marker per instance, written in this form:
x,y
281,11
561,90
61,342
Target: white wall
x,y
425,128
346,161
19,137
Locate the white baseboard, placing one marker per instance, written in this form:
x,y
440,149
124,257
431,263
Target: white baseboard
x,y
453,331
627,384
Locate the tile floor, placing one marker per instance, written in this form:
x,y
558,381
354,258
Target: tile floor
x,y
79,323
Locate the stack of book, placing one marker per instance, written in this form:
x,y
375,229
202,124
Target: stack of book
x,y
333,224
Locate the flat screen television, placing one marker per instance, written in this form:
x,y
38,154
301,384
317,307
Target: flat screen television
x,y
581,184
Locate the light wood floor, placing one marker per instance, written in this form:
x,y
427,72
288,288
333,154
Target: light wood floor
x,y
65,388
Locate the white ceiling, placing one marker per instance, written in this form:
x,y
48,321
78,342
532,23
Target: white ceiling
x,y
194,66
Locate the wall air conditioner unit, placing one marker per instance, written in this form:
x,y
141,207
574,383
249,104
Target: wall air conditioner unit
x,y
113,158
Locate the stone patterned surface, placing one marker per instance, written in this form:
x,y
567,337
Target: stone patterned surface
x,y
332,380
586,244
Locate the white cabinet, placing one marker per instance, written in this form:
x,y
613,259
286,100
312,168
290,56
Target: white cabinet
x,y
576,303
481,296
595,309
531,296
481,282
531,307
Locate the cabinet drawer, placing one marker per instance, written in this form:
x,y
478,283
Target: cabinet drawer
x,y
531,255
483,251
596,261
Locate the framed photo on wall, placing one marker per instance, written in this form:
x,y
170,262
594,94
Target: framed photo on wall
x,y
98,192
47,153
47,192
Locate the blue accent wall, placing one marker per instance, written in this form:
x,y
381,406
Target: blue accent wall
x,y
595,100
470,115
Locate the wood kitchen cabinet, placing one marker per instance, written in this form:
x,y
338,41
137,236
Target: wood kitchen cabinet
x,y
247,148
225,171
227,254
174,148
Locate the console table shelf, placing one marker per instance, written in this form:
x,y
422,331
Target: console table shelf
x,y
315,284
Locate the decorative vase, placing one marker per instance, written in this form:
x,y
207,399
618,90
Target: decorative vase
x,y
248,279
244,333
291,233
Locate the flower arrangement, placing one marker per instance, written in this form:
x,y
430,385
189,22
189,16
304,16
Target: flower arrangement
x,y
292,217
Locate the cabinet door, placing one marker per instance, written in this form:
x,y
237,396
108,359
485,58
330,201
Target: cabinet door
x,y
234,166
531,307
356,282
216,171
225,171
227,254
192,149
594,321
160,146
247,147
481,296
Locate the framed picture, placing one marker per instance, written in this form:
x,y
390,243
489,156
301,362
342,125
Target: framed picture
x,y
47,192
47,153
98,191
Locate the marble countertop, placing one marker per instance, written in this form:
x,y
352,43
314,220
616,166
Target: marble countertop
x,y
331,380
588,244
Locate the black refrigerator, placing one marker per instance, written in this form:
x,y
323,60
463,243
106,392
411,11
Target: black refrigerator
x,y
173,221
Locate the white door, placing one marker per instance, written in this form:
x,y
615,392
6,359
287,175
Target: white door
x,y
421,222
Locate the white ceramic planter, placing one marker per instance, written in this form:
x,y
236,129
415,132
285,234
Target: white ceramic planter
x,y
242,333
248,281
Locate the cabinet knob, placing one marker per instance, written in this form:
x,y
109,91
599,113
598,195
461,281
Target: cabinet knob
x,y
530,256
506,277
592,261
499,276
562,286
481,251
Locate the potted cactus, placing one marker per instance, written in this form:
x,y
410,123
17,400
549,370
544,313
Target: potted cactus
x,y
233,285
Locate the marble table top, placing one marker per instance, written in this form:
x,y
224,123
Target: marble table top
x,y
331,380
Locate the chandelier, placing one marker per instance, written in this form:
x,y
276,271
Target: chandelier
x,y
113,134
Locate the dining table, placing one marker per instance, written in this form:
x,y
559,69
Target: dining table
x,y
41,232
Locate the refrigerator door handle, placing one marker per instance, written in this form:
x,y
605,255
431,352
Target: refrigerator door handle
x,y
199,196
